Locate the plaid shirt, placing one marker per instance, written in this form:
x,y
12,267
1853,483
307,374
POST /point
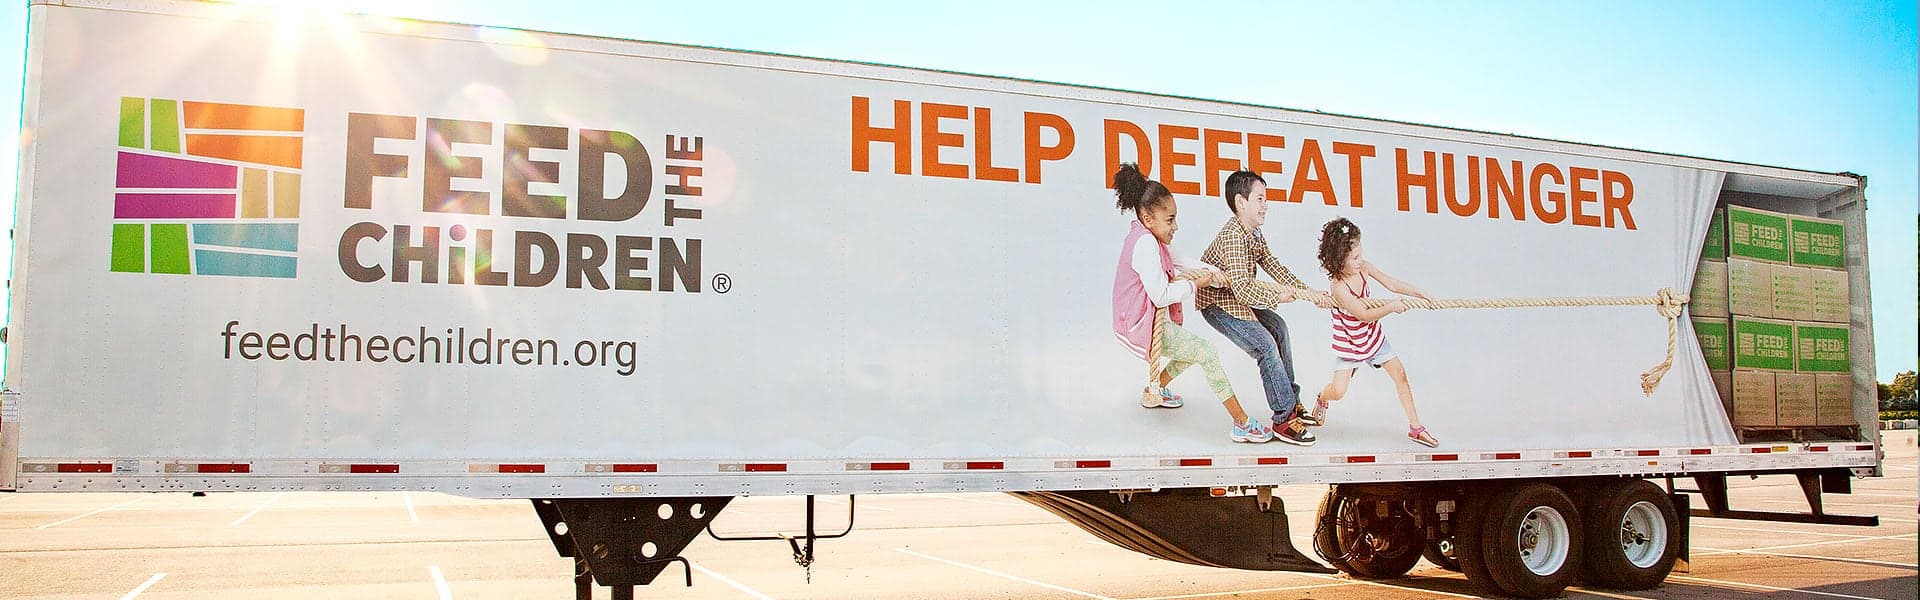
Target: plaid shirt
x,y
1238,251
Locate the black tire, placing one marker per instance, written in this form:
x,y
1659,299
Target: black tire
x,y
1324,542
1533,524
1609,554
1367,547
1468,534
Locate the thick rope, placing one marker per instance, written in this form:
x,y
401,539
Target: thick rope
x,y
1665,301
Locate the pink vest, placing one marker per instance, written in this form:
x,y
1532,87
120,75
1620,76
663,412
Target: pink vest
x,y
1132,311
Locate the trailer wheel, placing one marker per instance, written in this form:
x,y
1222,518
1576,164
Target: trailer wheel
x,y
1470,539
1355,536
1631,544
1440,552
1532,540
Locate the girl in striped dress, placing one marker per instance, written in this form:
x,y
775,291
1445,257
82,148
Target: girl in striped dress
x,y
1357,337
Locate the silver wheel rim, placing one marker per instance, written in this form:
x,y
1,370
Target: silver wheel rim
x,y
1643,535
1543,540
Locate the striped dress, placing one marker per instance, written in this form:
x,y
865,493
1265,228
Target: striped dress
x,y
1353,339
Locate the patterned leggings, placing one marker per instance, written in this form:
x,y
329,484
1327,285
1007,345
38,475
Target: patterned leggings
x,y
1175,349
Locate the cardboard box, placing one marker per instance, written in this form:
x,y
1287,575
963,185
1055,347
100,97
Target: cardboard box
x,y
1753,399
1763,344
1709,294
1833,399
1792,293
1713,335
1715,247
1830,296
1749,288
1757,235
1821,348
1793,397
1723,385
1818,242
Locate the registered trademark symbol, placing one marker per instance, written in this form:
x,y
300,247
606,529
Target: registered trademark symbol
x,y
722,283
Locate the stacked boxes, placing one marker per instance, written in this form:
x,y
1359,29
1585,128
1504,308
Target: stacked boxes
x,y
1787,289
1709,308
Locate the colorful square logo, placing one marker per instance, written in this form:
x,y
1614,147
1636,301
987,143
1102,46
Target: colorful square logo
x,y
205,188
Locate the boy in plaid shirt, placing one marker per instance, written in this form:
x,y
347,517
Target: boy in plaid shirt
x,y
1241,310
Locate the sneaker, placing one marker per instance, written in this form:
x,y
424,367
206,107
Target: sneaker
x,y
1164,399
1251,432
1296,434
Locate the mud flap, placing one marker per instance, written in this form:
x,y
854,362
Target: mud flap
x,y
1186,525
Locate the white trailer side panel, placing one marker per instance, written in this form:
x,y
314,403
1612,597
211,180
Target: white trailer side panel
x,y
344,253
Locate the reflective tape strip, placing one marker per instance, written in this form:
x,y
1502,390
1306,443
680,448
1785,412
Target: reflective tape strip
x,y
622,468
1646,453
1700,451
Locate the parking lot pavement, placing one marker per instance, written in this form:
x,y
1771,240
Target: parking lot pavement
x,y
420,545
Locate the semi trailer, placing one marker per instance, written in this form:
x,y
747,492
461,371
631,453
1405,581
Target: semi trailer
x,y
262,249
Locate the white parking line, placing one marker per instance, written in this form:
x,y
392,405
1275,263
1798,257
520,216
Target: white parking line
x,y
1615,595
89,514
734,584
1239,592
1004,575
1830,503
1790,531
1713,551
1388,586
143,587
1825,543
439,583
1770,588
256,510
411,516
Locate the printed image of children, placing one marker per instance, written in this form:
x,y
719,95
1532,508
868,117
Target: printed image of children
x,y
1357,337
1149,278
1241,310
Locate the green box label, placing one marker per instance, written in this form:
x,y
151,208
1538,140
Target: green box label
x,y
1762,345
1821,349
1713,343
1716,246
1757,235
1819,244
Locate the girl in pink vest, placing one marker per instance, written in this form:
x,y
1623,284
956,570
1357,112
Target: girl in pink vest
x,y
1149,278
1357,337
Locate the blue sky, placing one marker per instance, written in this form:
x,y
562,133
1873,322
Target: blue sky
x,y
1828,86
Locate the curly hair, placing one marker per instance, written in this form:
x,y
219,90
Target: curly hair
x,y
1337,239
1134,192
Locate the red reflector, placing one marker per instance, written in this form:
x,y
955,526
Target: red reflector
x,y
635,468
1092,464
766,467
1863,447
1817,449
373,468
890,466
1580,454
506,468
224,468
1700,451
1196,462
1359,459
1762,450
1273,460
1647,453
1506,456
85,468
986,465
1445,457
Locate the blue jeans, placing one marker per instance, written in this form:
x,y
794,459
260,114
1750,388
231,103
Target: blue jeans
x,y
1266,341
